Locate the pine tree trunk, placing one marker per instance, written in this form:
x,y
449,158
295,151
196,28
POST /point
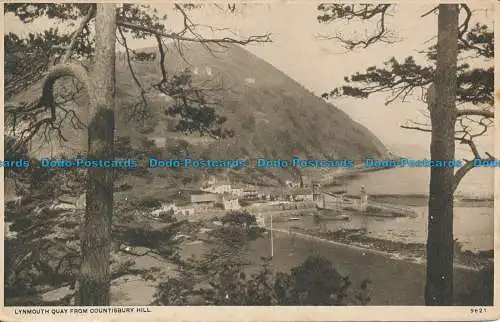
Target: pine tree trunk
x,y
96,237
439,283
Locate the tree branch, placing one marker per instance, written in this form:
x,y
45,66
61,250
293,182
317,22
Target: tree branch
x,y
349,12
407,127
176,36
472,146
190,26
462,29
429,12
48,102
63,70
161,62
488,51
467,138
78,31
472,112
142,111
469,165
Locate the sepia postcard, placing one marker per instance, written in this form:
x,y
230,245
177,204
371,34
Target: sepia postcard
x,y
249,161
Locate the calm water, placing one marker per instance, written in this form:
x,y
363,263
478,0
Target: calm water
x,y
407,181
473,225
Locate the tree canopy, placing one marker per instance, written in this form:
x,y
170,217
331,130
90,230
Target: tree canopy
x,y
43,50
401,79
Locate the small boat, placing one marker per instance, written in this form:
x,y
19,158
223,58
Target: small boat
x,y
294,218
195,242
342,217
181,236
332,214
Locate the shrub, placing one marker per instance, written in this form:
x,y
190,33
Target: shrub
x,y
244,203
314,282
150,203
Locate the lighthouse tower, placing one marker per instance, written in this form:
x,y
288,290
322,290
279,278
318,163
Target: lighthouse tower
x,y
363,199
315,188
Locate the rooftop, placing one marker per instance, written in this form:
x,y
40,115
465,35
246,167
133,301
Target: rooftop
x,y
301,191
206,197
273,191
194,191
230,197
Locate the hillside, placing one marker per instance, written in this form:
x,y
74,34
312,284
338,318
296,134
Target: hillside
x,y
271,115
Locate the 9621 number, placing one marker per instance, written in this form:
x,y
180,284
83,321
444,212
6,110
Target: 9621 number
x,y
477,310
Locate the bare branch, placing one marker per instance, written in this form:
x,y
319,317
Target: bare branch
x,y
120,42
484,113
63,70
188,23
78,31
469,165
467,137
366,12
161,50
176,36
31,112
462,29
190,26
429,12
140,109
418,128
472,146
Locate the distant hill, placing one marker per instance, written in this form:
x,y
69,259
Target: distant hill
x,y
272,115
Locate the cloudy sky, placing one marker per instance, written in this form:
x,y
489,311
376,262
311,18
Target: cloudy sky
x,y
298,50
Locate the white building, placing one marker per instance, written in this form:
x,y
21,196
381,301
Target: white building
x,y
187,210
203,198
223,188
261,222
165,208
238,191
292,184
250,194
302,194
212,181
208,70
230,202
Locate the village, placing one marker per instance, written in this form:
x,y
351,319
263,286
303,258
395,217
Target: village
x,y
218,197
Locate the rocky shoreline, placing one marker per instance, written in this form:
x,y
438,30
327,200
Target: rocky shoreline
x,y
415,252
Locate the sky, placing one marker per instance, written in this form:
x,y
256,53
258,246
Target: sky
x,y
321,65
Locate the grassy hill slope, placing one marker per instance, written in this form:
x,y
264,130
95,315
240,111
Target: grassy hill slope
x,y
271,115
